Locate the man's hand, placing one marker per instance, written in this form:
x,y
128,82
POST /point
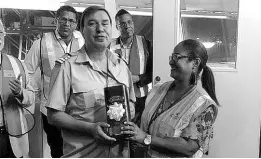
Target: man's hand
x,y
15,85
98,132
135,78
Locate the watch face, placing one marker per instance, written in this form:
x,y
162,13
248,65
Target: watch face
x,y
147,140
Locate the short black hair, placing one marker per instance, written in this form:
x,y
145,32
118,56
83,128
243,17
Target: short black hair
x,y
91,10
68,9
120,13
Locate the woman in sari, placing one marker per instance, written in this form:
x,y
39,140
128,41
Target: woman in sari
x,y
178,116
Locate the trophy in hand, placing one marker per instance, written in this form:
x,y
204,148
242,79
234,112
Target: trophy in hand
x,y
117,109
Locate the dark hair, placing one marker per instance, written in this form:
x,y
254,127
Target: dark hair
x,y
91,10
120,13
196,49
68,9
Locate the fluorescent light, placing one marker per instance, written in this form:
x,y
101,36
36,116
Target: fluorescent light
x,y
140,13
208,44
205,16
128,7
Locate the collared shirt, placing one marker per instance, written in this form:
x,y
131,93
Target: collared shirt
x,y
33,61
78,90
126,51
66,48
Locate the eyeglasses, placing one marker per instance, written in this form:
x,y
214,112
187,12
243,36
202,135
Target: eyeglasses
x,y
125,24
176,57
64,21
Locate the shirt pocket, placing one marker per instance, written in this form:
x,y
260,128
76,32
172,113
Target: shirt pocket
x,y
165,130
88,96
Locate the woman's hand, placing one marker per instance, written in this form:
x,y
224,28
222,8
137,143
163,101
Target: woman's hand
x,y
134,131
99,134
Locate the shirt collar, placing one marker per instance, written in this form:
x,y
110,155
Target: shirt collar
x,y
76,34
82,57
129,46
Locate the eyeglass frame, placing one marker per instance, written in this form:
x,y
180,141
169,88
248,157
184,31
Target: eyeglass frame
x,y
64,21
176,57
124,24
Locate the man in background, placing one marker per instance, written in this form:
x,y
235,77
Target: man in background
x,y
136,51
43,54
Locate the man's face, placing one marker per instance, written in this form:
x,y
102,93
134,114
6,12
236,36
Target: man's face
x,y
125,25
2,36
66,23
97,30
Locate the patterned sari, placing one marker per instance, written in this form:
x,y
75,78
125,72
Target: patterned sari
x,y
190,117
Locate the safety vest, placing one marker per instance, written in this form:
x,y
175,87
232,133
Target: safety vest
x,y
14,116
51,50
138,59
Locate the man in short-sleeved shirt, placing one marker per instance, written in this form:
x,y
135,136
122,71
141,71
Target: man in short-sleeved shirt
x,y
76,101
78,91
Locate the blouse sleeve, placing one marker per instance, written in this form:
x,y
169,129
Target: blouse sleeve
x,y
201,129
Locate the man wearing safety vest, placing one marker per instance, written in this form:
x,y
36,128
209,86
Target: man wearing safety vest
x,y
136,51
16,93
43,54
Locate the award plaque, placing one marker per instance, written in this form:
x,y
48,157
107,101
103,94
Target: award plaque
x,y
117,109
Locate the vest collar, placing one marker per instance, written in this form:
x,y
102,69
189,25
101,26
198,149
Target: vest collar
x,y
76,35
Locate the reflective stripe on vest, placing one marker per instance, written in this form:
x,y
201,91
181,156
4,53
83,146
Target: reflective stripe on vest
x,y
17,72
14,118
142,91
51,51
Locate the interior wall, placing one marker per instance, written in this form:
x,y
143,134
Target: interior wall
x,y
238,124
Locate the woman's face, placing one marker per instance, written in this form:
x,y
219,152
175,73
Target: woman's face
x,y
181,67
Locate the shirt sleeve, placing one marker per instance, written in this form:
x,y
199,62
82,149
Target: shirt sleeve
x,y
201,129
32,60
28,92
59,87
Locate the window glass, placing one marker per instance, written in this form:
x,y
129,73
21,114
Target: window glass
x,y
143,25
214,23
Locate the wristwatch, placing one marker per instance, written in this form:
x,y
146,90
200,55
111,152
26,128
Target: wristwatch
x,y
147,140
